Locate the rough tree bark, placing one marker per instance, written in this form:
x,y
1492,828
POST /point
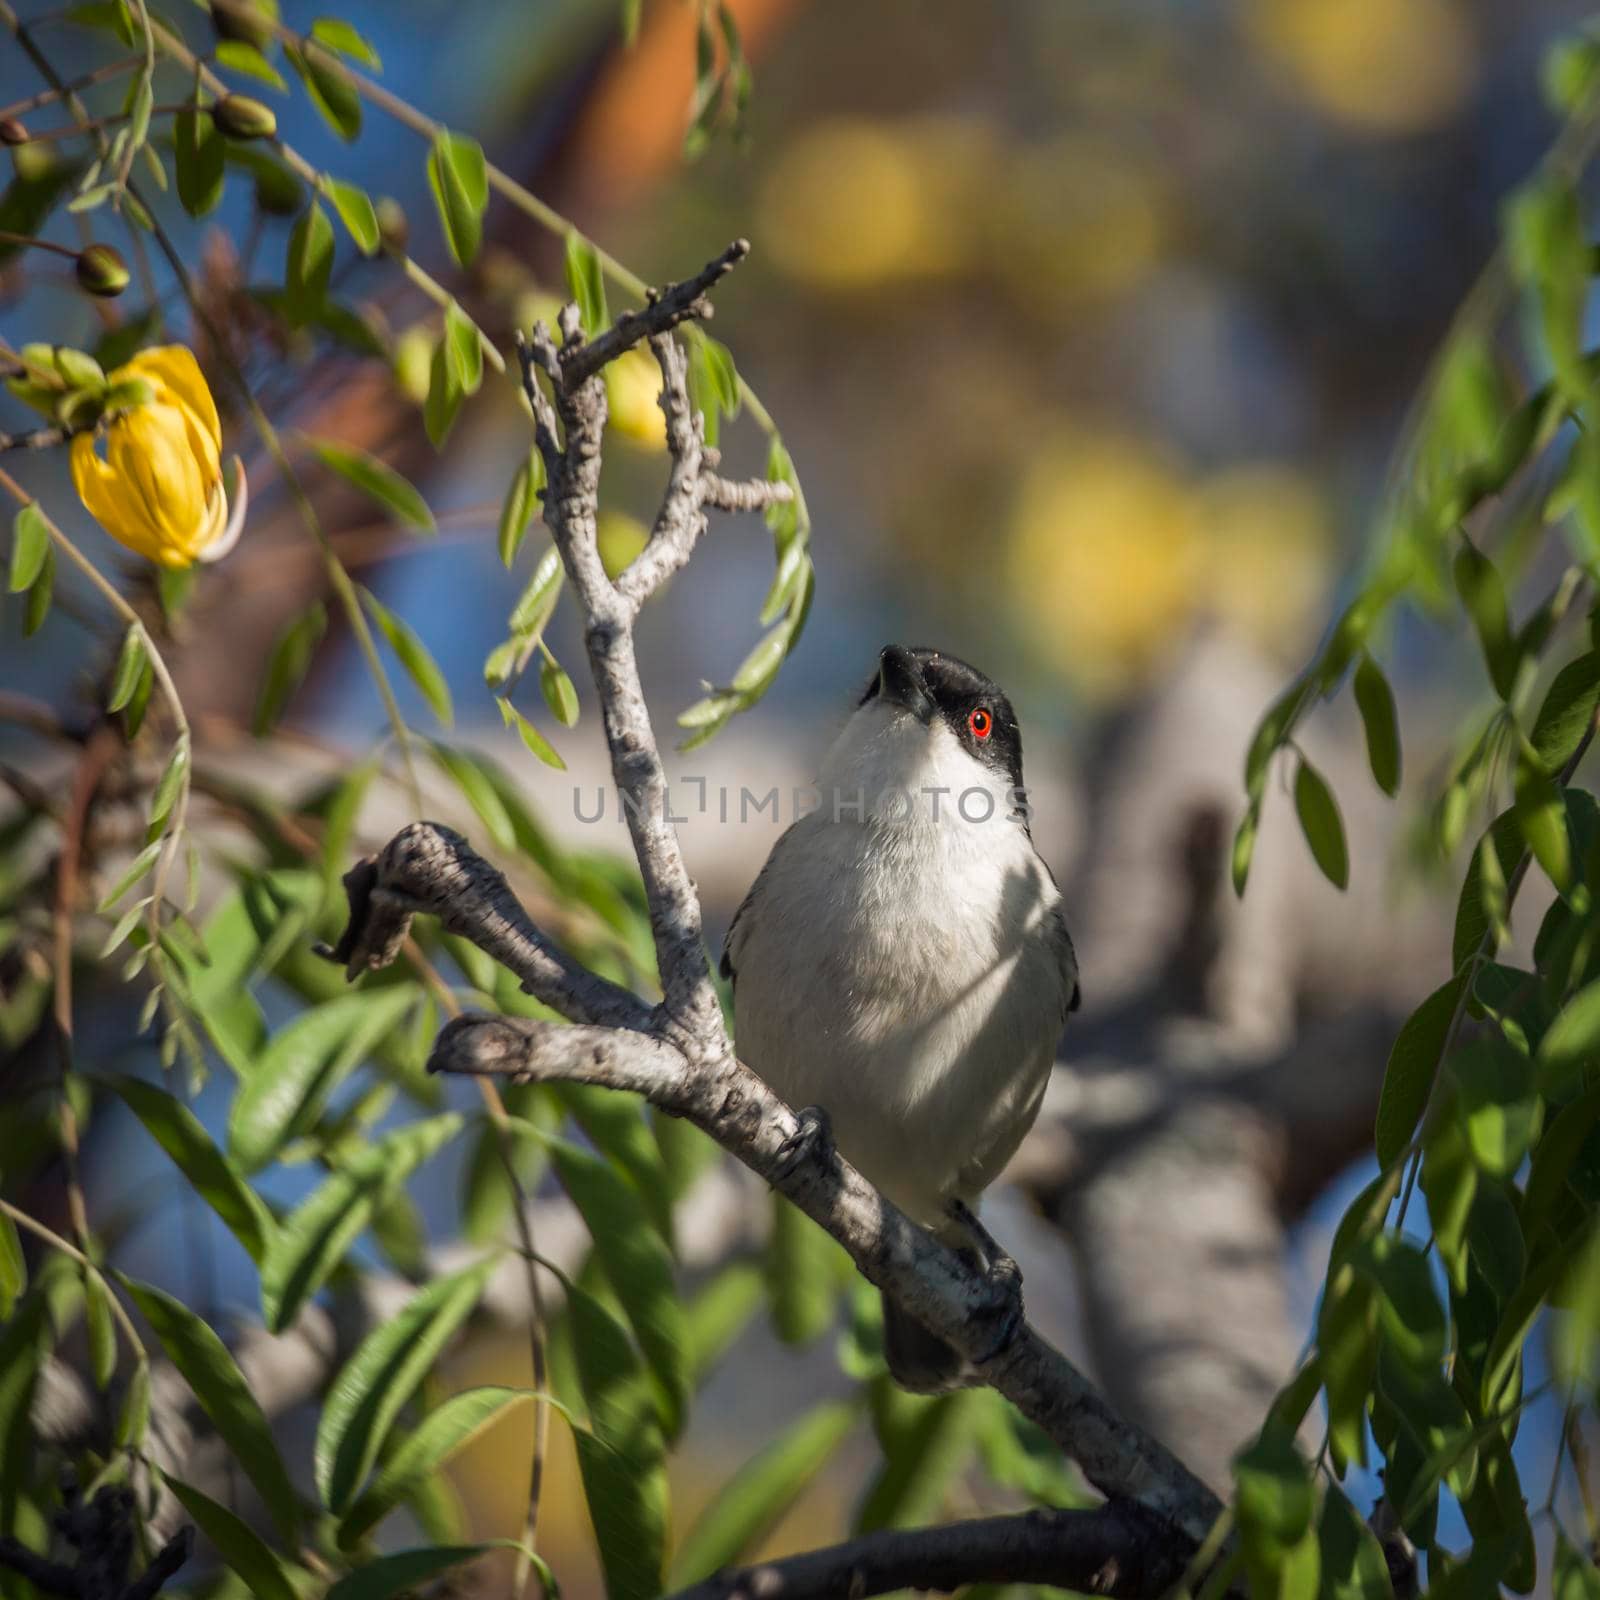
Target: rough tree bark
x,y
677,1054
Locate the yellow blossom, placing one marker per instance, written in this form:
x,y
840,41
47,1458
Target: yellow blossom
x,y
158,489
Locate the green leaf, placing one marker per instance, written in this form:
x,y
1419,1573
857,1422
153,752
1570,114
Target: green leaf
x,y
13,1268
306,1061
1320,822
179,1132
1496,1103
1484,595
802,1277
237,1543
1573,1039
444,1431
1244,847
340,36
196,1351
559,693
403,1572
1542,815
719,1313
133,1418
378,481
330,91
1450,1183
586,283
1473,922
474,782
102,1337
198,150
237,55
1575,1576
521,506
1413,1061
420,666
313,1238
356,212
1276,1498
759,1494
459,178
1568,712
1353,1563
538,600
1375,701
623,1461
30,547
1409,1312
463,347
926,1443
531,737
43,587
638,1266
444,397
132,661
309,265
287,666
372,1387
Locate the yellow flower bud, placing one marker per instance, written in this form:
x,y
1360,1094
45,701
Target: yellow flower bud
x,y
159,489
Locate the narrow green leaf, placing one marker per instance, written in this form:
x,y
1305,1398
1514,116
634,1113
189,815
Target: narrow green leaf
x,y
132,662
535,741
39,592
196,1351
802,1280
302,1067
1484,595
586,283
329,90
30,546
179,1132
340,36
444,1431
382,1375
1409,1313
313,1238
1413,1062
459,178
13,1268
133,1417
559,693
719,1313
638,1266
378,481
1320,822
1572,1041
758,1495
237,55
1375,701
1244,847
926,1443
101,1335
309,265
463,346
1542,815
470,777
198,152
244,1551
420,666
1276,1498
521,505
356,212
538,600
287,666
403,1572
169,784
1568,711
444,397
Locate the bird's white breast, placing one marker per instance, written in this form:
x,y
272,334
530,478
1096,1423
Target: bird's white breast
x,y
900,972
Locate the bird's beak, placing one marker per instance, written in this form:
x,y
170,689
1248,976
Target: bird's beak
x,y
900,683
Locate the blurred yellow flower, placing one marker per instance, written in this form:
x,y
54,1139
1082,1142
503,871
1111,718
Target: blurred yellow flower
x,y
633,390
1115,553
1389,66
620,538
158,489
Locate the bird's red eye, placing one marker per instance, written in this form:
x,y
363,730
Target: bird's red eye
x,y
981,723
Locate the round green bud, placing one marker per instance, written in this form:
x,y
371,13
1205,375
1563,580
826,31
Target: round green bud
x,y
251,21
240,117
102,271
393,228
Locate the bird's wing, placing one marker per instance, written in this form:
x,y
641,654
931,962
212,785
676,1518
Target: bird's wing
x,y
726,966
1061,942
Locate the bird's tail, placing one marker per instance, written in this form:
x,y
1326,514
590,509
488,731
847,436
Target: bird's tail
x,y
918,1360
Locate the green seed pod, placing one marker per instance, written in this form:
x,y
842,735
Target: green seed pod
x,y
240,117
102,271
249,20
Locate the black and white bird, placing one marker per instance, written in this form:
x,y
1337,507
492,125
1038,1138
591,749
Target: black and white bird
x,y
902,962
